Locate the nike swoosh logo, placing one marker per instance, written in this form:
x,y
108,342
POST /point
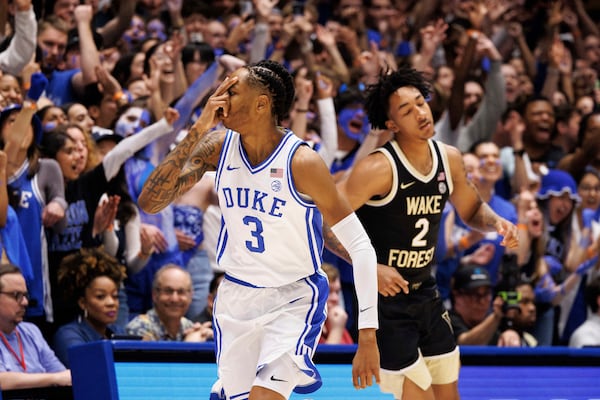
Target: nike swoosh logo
x,y
295,300
406,185
277,379
365,309
230,168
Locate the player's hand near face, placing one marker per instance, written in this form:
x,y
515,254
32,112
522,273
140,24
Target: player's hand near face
x,y
217,106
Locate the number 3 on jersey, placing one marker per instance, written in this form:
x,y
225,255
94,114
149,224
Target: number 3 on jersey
x,y
256,245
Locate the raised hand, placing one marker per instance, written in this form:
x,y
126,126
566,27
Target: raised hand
x,y
216,108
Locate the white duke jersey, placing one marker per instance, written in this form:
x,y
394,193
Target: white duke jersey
x,y
271,235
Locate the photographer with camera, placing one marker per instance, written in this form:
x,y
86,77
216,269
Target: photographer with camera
x,y
476,320
523,321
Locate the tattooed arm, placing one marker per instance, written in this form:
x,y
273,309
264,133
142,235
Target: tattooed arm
x,y
197,153
470,206
181,170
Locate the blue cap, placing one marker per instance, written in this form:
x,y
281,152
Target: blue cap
x,y
35,121
556,183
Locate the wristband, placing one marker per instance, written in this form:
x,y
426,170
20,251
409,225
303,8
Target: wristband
x,y
591,252
519,152
473,33
121,96
301,110
522,227
463,242
280,45
30,105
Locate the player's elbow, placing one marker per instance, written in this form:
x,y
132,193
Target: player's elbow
x,y
148,203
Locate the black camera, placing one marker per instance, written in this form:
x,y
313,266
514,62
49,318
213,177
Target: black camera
x,y
507,286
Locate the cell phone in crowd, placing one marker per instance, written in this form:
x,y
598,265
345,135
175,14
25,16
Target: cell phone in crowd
x,y
298,8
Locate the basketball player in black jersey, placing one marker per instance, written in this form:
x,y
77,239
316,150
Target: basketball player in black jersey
x,y
399,192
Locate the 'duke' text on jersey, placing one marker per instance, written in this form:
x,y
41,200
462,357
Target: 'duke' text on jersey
x,y
257,200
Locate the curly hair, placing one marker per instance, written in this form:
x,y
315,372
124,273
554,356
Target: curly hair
x,y
279,83
77,271
378,96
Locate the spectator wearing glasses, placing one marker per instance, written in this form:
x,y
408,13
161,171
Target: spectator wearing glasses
x,y
171,296
472,321
26,360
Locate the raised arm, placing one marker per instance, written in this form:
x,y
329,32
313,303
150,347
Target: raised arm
x,y
115,158
197,153
90,58
470,206
22,46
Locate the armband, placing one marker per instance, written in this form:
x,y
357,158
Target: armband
x,y
463,242
353,237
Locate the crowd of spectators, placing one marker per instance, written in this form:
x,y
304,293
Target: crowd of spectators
x,y
94,94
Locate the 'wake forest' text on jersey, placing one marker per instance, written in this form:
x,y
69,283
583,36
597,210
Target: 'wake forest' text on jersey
x,y
404,225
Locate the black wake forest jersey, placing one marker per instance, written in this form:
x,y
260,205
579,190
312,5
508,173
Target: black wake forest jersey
x,y
404,225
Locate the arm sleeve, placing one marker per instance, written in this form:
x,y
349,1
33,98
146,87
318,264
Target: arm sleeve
x,y
50,178
483,124
133,244
22,45
258,50
110,242
127,147
353,237
329,139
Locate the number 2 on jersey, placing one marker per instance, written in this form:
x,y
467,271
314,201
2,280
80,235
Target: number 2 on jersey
x,y
423,225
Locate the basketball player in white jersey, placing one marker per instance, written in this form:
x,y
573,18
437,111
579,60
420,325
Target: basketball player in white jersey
x,y
274,193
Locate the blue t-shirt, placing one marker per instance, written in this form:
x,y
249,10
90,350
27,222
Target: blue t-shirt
x,y
60,90
39,357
